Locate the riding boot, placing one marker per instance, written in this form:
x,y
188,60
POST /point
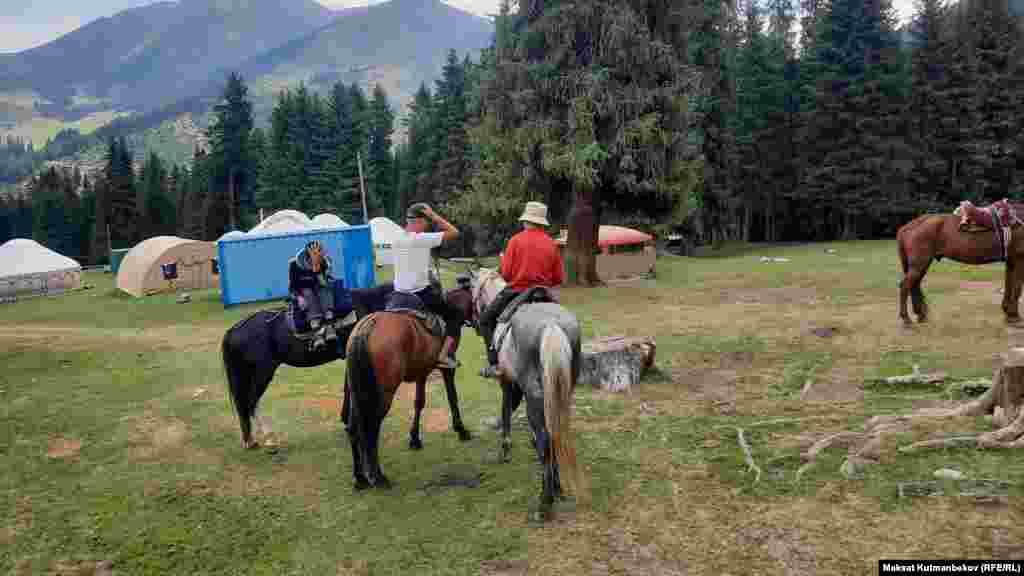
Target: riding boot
x,y
318,334
491,370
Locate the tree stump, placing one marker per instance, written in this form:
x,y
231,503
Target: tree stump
x,y
617,363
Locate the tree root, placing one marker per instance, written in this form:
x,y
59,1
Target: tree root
x,y
953,442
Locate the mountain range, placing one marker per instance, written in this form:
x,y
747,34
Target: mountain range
x,y
174,56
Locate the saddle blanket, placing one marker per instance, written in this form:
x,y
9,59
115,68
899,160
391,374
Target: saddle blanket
x,y
412,304
535,294
999,217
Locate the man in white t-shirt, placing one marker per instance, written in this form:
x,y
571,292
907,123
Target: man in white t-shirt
x,y
412,269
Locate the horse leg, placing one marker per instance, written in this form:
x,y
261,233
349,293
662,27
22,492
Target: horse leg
x,y
511,396
916,294
387,391
453,405
535,413
1011,292
421,401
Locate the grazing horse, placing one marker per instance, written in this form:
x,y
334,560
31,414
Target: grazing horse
x,y
538,357
935,236
256,346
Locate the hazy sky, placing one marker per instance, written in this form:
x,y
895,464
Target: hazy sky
x,y
28,23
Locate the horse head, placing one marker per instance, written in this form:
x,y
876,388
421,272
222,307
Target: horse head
x,y
484,285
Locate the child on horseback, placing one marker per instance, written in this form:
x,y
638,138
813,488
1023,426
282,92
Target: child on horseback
x,y
531,259
413,273
309,281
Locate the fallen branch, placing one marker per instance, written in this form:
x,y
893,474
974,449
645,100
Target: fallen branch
x,y
751,465
779,421
915,377
953,442
828,441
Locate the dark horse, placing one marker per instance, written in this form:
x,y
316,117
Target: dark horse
x,y
936,236
256,346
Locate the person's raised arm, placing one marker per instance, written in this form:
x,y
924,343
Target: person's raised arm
x,y
450,232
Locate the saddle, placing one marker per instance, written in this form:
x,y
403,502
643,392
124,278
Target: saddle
x,y
533,295
298,325
412,305
998,217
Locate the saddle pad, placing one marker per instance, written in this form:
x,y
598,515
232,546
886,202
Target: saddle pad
x,y
499,334
432,322
535,294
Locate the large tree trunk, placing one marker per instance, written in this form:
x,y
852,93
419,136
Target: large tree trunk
x,y
581,258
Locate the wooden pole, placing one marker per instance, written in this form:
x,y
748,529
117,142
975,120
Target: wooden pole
x,y
362,186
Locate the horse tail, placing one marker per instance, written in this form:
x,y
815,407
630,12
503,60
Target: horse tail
x,y
238,388
556,363
362,382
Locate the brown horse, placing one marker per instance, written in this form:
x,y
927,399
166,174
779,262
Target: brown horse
x,y
937,236
385,349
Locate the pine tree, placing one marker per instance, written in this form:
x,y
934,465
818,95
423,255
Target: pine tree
x,y
924,107
229,160
381,122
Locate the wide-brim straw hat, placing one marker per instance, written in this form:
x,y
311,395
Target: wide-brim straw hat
x,y
535,213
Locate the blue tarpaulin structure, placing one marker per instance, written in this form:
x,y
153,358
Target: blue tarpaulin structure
x,y
254,267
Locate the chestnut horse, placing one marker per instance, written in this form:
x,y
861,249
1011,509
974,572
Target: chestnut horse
x,y
936,236
385,349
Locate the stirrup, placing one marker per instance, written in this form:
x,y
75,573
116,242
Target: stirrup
x,y
449,362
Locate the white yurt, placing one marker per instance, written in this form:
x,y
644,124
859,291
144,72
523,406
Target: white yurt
x,y
29,268
384,231
327,220
231,234
283,221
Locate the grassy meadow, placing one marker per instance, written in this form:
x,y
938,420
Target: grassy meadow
x,y
121,445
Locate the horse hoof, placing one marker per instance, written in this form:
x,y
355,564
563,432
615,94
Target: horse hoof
x,y
250,445
1013,319
383,484
539,517
361,484
464,434
415,444
498,458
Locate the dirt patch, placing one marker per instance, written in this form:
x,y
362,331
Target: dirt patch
x,y
784,546
504,568
82,338
837,386
330,406
770,296
971,286
81,568
715,387
152,435
64,448
630,558
435,420
354,568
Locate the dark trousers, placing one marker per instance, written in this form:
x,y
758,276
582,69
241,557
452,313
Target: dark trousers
x,y
431,298
488,321
319,302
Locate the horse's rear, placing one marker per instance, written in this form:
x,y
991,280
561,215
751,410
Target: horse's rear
x,y
544,349
384,350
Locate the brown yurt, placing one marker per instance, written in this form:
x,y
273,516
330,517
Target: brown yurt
x,y
191,261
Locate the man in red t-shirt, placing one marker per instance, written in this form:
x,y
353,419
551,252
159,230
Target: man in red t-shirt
x,y
531,259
